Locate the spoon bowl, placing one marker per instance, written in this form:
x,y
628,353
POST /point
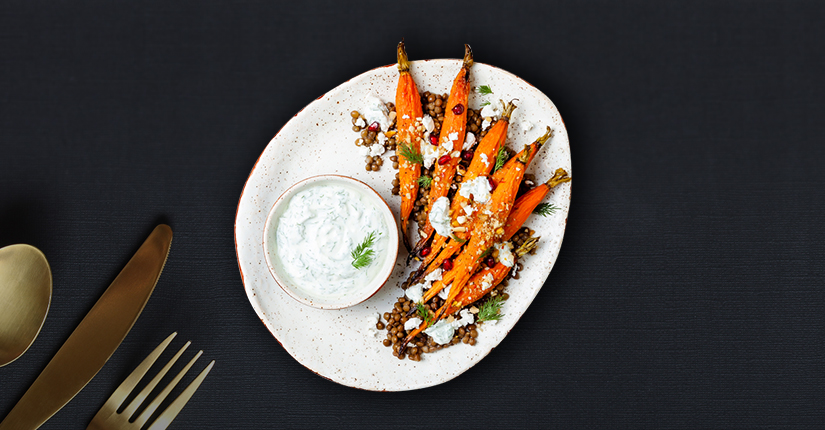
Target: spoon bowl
x,y
25,296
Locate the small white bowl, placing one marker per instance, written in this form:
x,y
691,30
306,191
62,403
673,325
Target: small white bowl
x,y
286,283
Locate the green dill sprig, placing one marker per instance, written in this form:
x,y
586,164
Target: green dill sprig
x,y
409,152
491,310
501,157
484,89
425,181
457,239
486,252
545,209
363,255
424,313
485,104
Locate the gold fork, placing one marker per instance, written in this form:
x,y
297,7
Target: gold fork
x,y
109,419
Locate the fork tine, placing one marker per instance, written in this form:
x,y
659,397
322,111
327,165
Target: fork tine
x,y
122,391
147,413
172,411
140,398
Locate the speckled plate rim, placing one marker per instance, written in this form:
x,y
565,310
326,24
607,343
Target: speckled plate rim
x,y
411,369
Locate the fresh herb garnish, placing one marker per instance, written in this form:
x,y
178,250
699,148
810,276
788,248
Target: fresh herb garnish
x,y
425,181
545,209
491,311
486,252
501,157
363,255
457,239
410,153
484,89
485,104
424,313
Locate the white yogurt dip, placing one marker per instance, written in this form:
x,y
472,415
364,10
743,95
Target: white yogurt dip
x,y
317,233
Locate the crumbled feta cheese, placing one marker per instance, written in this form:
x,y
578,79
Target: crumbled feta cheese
x,y
468,209
469,141
525,125
479,188
376,149
447,145
375,111
487,281
465,318
435,275
445,292
441,332
484,124
370,322
440,216
381,138
484,159
360,122
412,323
461,219
405,116
505,254
429,153
428,123
490,111
415,292
454,136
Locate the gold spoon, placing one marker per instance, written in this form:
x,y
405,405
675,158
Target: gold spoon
x,y
25,296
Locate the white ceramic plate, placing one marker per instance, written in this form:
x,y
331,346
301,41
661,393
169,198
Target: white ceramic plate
x,y
343,345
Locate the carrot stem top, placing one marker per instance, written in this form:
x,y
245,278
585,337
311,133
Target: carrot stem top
x,y
403,61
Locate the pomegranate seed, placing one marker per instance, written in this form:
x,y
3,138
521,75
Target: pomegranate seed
x,y
448,265
444,159
374,126
490,261
458,109
467,154
426,251
492,183
434,139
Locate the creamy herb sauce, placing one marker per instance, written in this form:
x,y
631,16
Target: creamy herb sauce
x,y
317,233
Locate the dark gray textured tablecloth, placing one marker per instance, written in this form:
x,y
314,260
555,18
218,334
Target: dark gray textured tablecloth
x,y
689,288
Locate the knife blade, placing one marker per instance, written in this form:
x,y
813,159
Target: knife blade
x,y
96,337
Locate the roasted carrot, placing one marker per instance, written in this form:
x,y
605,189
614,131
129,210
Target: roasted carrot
x,y
482,163
451,138
488,228
524,205
452,246
531,150
408,111
522,208
485,280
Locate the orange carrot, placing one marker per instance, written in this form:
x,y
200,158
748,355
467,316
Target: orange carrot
x,y
485,280
524,205
531,150
450,248
522,208
487,229
408,110
453,132
482,163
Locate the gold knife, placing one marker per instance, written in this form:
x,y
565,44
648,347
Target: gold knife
x,y
96,337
